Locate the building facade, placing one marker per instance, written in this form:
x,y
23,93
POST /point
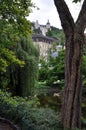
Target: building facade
x,y
44,43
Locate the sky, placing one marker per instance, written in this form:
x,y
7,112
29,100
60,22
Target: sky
x,y
47,11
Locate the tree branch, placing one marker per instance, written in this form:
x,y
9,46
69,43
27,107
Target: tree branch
x,y
81,21
67,21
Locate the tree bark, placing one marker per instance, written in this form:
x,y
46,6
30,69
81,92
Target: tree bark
x,y
74,35
71,107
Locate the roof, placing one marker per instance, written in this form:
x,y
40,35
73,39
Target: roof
x,y
41,37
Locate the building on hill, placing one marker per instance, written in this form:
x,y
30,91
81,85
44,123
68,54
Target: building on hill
x,y
43,28
44,43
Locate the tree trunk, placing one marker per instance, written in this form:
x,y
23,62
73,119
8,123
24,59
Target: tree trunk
x,y
74,34
71,107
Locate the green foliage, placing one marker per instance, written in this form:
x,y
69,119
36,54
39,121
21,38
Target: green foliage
x,y
43,70
29,73
37,31
15,12
56,70
26,115
83,66
21,80
83,120
53,71
13,23
8,57
84,71
55,32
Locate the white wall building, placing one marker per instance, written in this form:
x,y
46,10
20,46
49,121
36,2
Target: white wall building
x,y
43,28
44,43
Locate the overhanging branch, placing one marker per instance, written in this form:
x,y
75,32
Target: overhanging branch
x,y
67,21
81,21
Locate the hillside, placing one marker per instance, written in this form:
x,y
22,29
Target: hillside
x,y
55,32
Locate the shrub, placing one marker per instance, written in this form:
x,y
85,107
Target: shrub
x,y
25,113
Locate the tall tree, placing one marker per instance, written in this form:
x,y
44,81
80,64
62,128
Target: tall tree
x,y
13,23
18,80
74,34
26,77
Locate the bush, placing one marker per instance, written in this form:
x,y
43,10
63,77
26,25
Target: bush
x,y
26,114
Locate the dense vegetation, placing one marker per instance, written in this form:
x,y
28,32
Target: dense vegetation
x,y
53,72
26,113
52,75
58,33
21,80
27,94
13,24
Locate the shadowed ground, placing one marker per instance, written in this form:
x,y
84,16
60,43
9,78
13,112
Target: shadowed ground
x,y
7,125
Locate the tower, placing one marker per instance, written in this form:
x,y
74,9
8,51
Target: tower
x,y
48,25
37,24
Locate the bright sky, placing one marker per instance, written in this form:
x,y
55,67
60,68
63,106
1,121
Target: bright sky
x,y
47,11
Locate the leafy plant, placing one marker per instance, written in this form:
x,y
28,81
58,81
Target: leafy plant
x,y
20,80
25,113
13,24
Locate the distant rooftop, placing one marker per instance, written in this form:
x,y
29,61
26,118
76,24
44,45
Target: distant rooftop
x,y
40,37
